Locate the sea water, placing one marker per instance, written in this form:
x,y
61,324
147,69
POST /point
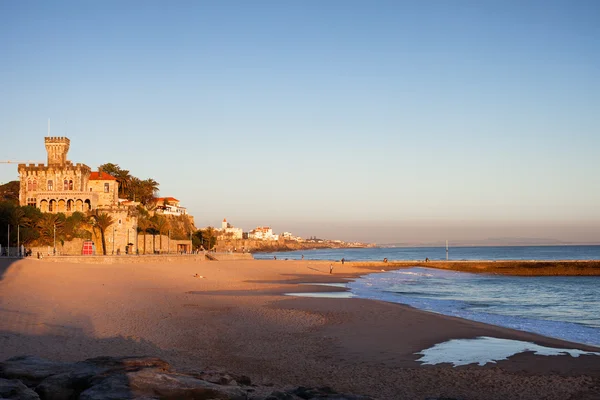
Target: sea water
x,y
439,253
566,308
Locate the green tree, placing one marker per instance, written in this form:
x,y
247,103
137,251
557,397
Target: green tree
x,y
207,237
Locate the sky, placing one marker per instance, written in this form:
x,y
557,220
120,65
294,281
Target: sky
x,y
379,121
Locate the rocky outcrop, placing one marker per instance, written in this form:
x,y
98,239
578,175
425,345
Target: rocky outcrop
x,y
107,378
15,389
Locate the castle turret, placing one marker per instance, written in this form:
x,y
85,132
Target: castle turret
x,y
57,148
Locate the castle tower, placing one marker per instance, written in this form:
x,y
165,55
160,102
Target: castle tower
x,y
57,149
224,224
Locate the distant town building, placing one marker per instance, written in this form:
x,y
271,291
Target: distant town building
x,y
263,233
229,231
169,206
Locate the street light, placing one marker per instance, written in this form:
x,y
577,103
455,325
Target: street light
x,y
113,250
54,249
8,243
169,243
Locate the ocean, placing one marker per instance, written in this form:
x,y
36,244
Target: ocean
x,y
439,253
566,308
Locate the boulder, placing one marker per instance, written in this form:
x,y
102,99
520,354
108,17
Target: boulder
x,y
92,371
32,370
15,389
149,384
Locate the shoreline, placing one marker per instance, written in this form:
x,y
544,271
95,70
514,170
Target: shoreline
x,y
233,317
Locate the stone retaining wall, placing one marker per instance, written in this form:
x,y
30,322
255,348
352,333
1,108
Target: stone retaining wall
x,y
147,259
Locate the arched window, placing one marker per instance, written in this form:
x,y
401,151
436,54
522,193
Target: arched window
x,y
29,186
50,184
70,185
66,185
34,185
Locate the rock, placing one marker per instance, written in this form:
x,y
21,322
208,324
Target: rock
x,y
85,374
148,384
15,389
128,363
32,370
281,396
220,377
324,393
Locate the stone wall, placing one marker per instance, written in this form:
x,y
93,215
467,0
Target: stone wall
x,y
162,244
148,259
73,247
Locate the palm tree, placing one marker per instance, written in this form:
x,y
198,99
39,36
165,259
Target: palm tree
x,y
161,224
124,180
103,222
48,226
149,190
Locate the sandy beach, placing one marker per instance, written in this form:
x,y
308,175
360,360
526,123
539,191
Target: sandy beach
x,y
234,316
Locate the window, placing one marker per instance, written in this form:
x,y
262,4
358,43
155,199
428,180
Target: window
x,y
29,186
106,187
66,185
31,202
50,185
34,186
70,185
51,206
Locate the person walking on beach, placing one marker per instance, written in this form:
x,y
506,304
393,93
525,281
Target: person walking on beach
x,y
331,268
343,261
303,256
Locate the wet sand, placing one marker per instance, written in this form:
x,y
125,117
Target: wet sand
x,y
234,317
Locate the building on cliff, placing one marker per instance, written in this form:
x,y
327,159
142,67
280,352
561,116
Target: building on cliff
x,y
263,233
229,231
169,206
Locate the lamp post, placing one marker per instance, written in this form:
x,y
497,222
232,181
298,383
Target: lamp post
x,y
54,249
169,243
18,240
8,243
113,250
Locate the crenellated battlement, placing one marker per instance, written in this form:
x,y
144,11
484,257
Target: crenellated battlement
x,y
57,139
57,148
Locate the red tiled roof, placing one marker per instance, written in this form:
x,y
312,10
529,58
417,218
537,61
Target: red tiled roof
x,y
101,176
166,198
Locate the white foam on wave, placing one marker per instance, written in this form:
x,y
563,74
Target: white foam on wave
x,y
484,349
332,284
329,295
412,273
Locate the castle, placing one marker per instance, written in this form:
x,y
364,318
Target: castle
x,y
62,186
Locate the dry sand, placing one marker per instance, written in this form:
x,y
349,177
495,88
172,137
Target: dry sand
x,y
235,318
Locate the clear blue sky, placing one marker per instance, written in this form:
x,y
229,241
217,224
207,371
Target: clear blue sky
x,y
370,120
